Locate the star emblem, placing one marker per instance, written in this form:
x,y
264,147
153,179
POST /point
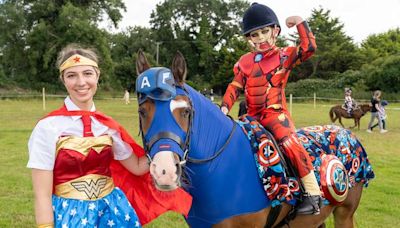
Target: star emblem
x,y
84,221
65,204
73,212
110,223
115,210
101,213
340,180
92,206
64,226
127,217
76,59
137,224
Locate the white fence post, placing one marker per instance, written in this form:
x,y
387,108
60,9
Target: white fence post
x,y
44,98
290,103
315,100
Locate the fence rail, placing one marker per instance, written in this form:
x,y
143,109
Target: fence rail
x,y
290,98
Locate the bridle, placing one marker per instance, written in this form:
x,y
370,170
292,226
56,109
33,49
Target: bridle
x,y
184,145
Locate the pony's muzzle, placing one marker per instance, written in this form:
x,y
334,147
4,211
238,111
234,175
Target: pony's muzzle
x,y
164,171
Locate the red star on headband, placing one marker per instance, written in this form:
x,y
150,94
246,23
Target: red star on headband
x,y
77,59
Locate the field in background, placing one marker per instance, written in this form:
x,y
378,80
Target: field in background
x,y
378,207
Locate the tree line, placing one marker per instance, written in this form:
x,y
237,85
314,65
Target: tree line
x,y
207,33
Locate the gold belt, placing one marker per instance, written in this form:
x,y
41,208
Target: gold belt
x,y
89,187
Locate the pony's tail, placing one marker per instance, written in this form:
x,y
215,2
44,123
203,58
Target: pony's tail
x,y
331,113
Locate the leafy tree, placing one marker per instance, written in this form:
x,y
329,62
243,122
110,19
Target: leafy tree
x,y
336,51
12,40
383,74
381,45
125,45
50,25
199,29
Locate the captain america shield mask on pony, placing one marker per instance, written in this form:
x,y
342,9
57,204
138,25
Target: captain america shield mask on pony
x,y
163,133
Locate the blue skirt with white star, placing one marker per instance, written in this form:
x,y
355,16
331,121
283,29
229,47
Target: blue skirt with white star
x,y
113,210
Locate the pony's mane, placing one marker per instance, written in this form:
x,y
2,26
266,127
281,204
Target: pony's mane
x,y
212,126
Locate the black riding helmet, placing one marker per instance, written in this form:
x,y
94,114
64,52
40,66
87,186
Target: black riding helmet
x,y
258,16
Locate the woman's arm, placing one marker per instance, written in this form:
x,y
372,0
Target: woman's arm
x,y
42,181
135,165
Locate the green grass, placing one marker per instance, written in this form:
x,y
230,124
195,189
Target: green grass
x,y
378,207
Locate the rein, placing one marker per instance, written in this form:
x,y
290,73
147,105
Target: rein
x,y
201,161
185,146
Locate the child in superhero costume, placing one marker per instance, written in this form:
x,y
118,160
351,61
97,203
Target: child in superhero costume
x,y
263,75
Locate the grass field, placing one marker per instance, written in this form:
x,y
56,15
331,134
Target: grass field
x,y
379,205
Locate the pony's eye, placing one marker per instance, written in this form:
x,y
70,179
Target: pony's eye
x,y
142,113
186,113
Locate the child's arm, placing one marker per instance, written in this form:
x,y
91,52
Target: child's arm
x,y
307,45
233,90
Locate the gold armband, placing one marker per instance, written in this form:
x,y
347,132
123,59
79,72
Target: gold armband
x,y
46,225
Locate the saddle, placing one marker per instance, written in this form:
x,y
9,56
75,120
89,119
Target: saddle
x,y
355,108
344,107
279,178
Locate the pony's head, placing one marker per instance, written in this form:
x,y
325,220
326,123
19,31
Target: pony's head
x,y
165,115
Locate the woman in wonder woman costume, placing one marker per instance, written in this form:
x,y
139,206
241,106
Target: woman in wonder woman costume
x,y
81,159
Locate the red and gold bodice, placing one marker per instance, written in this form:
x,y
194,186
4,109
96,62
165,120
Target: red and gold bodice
x,y
82,167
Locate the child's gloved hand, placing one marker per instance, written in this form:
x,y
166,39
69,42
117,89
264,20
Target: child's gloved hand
x,y
224,110
293,20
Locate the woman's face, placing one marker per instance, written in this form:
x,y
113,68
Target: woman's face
x,y
81,84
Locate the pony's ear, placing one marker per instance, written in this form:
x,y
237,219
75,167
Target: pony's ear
x,y
141,62
179,68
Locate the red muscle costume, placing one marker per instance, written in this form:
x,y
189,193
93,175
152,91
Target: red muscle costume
x,y
264,75
147,201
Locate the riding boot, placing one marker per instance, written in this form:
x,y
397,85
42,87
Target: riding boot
x,y
350,113
311,200
310,205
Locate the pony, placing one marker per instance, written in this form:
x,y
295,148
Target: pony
x,y
337,112
191,143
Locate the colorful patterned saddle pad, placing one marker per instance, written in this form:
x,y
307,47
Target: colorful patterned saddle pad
x,y
335,152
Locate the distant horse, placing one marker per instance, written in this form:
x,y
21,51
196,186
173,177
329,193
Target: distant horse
x,y
183,130
337,112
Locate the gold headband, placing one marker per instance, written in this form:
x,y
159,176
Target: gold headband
x,y
77,60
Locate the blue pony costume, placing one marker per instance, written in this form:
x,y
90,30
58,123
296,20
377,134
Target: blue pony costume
x,y
223,175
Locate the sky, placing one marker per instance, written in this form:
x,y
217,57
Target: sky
x,y
360,17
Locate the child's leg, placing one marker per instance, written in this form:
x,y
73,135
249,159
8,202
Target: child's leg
x,y
281,126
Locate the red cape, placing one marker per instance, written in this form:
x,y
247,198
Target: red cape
x,y
148,202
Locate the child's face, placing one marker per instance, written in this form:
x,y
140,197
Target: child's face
x,y
263,39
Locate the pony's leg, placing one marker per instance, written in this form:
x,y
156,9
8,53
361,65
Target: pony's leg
x,y
257,219
312,221
344,213
340,121
355,123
